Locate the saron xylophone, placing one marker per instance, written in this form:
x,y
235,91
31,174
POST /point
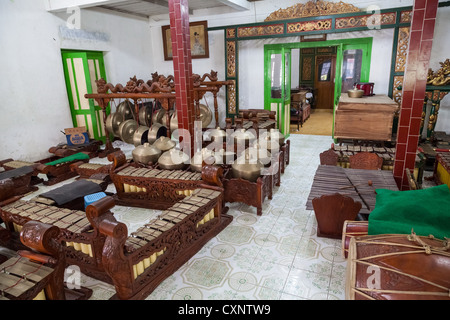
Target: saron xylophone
x,y
359,184
155,188
80,238
442,168
36,274
139,262
345,151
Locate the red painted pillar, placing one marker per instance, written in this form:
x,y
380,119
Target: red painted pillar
x,y
414,83
182,65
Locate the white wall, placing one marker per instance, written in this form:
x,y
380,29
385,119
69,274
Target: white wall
x,y
34,106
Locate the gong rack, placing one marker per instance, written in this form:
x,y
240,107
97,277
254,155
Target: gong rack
x,y
160,88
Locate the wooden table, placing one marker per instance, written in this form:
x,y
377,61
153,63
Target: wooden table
x,y
352,183
366,118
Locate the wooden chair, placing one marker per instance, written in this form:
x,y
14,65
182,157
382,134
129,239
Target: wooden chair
x,y
366,160
331,211
329,158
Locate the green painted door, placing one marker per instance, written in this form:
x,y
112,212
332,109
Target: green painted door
x,y
277,86
81,69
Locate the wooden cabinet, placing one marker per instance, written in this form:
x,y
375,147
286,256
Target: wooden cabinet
x,y
366,118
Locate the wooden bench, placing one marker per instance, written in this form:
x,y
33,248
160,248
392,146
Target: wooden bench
x,y
139,262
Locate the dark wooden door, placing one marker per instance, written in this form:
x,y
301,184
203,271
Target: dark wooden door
x,y
324,81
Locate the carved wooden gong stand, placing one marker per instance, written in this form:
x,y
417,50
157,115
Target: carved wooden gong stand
x,y
160,88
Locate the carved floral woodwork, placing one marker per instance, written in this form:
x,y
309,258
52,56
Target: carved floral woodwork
x,y
231,58
309,26
261,30
402,49
396,92
312,9
366,21
440,77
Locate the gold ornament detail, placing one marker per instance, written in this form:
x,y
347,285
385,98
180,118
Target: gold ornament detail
x,y
405,16
232,98
309,26
312,9
231,33
402,49
366,21
397,94
441,77
261,30
231,58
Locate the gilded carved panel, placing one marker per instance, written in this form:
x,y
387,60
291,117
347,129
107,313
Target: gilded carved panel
x,y
309,26
402,49
405,17
232,98
231,58
312,9
231,33
396,93
366,21
261,30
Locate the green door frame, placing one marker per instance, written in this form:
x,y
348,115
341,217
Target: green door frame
x,y
73,92
282,102
340,44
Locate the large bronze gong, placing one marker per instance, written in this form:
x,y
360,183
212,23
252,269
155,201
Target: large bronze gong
x,y
113,122
127,129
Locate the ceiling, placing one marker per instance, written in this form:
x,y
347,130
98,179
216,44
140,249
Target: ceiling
x,y
149,8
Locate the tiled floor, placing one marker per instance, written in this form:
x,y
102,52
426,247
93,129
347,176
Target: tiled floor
x,y
270,257
273,256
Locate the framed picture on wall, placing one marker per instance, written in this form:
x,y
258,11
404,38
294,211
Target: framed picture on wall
x,y
199,40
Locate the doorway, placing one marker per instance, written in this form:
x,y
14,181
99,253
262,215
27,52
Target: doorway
x,y
340,59
324,76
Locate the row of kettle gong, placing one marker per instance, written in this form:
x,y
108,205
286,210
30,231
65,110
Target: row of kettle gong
x,y
248,165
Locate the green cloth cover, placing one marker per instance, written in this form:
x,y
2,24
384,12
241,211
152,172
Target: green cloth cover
x,y
426,211
76,156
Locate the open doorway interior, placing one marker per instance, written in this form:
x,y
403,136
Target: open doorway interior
x,y
319,71
316,80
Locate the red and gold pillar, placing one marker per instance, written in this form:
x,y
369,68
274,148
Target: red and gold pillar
x,y
414,85
182,65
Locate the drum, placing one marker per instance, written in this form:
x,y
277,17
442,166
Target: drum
x,y
398,267
352,229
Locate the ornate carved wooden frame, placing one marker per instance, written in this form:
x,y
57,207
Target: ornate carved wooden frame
x,y
315,18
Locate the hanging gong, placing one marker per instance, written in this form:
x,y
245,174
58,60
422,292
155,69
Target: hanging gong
x,y
113,122
145,114
160,116
127,129
126,109
205,116
174,122
140,136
